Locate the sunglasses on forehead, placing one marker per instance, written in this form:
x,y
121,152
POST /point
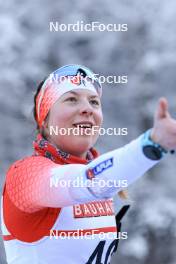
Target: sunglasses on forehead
x,y
76,70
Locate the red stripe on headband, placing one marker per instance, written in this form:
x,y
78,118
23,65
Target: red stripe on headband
x,y
45,101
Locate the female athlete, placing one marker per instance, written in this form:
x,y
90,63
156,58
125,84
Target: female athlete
x,y
57,204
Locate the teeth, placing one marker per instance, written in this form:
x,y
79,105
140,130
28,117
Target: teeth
x,y
84,125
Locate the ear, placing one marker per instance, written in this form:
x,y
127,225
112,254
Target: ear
x,y
45,128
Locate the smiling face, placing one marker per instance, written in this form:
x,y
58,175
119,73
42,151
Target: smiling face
x,y
74,109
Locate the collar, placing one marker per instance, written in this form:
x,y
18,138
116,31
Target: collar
x,y
43,147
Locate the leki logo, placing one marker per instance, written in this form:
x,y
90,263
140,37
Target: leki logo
x,y
104,165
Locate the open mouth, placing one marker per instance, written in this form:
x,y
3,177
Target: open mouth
x,y
83,125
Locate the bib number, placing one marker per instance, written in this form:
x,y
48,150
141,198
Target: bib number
x,y
97,254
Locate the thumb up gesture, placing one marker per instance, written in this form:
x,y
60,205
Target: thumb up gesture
x,y
164,129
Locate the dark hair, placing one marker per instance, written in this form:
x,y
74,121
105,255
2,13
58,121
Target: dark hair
x,y
35,97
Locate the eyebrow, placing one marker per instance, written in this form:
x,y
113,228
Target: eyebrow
x,y
75,93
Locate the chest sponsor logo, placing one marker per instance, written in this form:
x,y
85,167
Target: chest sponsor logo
x,y
93,209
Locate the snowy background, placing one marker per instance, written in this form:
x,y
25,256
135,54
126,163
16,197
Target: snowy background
x,y
146,53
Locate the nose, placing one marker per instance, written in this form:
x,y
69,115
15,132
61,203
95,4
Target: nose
x,y
86,108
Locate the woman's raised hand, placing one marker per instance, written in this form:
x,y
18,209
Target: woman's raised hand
x,y
164,129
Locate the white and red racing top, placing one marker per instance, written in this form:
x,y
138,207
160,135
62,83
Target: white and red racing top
x,y
46,218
